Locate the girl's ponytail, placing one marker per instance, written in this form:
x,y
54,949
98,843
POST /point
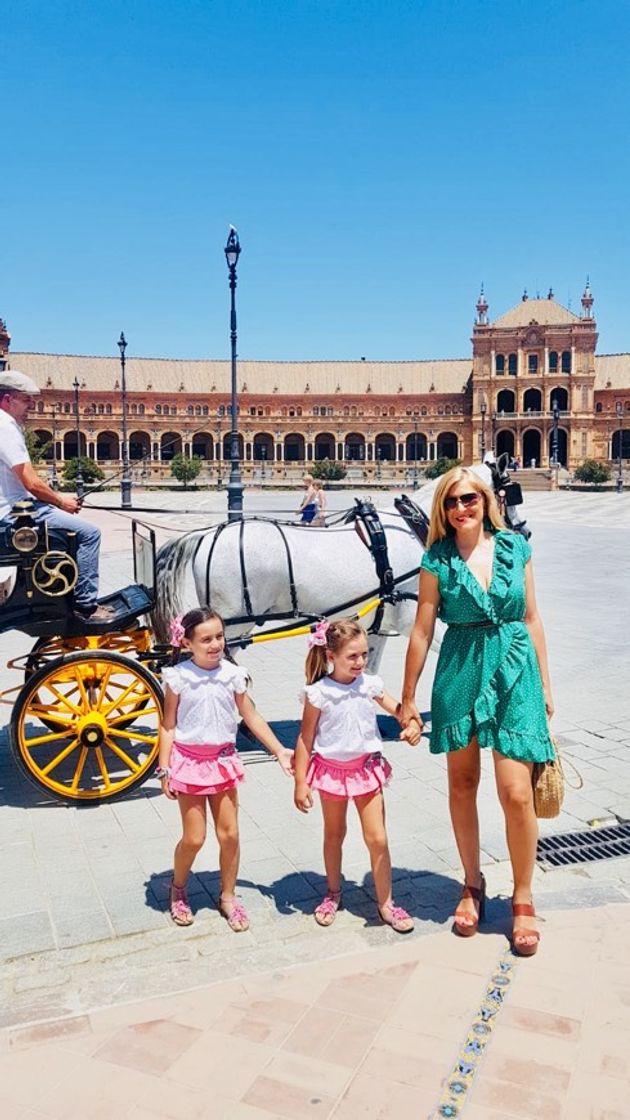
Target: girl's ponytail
x,y
328,636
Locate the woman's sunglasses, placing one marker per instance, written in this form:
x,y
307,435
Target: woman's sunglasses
x,y
464,500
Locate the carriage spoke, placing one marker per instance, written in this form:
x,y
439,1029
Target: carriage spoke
x,y
123,696
104,683
134,736
39,739
103,769
47,715
79,770
84,696
64,699
60,757
133,714
123,756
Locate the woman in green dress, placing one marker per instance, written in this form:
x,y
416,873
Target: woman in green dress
x,y
491,685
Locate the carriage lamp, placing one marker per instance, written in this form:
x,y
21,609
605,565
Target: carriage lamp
x,y
79,479
25,539
125,482
619,483
235,486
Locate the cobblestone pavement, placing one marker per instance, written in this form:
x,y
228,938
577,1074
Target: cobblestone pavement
x,y
82,923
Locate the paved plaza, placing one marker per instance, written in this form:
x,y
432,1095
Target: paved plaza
x,y
109,1010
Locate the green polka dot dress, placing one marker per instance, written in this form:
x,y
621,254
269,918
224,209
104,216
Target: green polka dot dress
x,y
487,681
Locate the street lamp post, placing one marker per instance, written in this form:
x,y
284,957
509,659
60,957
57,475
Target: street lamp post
x,y
79,480
483,408
415,454
554,441
125,482
619,484
53,473
235,486
493,422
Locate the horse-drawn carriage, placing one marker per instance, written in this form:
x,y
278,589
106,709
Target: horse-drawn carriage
x,y
84,721
85,717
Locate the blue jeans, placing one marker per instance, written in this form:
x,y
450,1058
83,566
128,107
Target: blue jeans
x,y
88,544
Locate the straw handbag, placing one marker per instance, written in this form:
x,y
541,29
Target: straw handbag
x,y
548,784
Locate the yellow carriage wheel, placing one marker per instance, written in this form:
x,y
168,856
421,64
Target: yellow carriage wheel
x,y
85,727
46,651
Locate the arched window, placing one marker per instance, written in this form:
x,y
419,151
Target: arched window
x,y
108,409
532,363
499,364
158,409
553,361
566,361
598,406
141,409
512,364
189,409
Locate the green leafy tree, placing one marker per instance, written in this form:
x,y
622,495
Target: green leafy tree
x,y
185,470
36,450
440,466
592,471
328,471
89,469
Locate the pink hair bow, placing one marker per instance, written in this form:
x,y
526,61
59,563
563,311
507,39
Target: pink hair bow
x,y
318,637
177,632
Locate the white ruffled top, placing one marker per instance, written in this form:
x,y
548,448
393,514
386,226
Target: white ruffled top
x,y
347,726
206,712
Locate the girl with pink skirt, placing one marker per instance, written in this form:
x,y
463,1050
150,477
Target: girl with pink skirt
x,y
198,763
338,753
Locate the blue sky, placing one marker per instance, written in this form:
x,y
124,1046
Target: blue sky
x,y
379,159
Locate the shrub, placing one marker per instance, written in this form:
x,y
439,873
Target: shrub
x,y
592,471
89,469
185,470
36,450
440,466
327,471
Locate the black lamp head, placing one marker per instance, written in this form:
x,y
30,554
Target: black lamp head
x,y
232,249
122,344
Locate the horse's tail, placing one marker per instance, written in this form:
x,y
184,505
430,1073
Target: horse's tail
x,y
173,564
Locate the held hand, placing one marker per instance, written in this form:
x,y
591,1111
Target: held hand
x,y
167,791
412,732
285,759
406,712
303,798
549,708
69,505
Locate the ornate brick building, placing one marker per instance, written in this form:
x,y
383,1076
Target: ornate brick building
x,y
386,418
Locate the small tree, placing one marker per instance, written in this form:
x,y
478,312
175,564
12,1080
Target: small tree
x,y
36,450
89,469
440,466
592,471
185,470
328,471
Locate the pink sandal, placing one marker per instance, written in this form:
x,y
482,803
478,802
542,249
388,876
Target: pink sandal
x,y
236,917
180,910
396,917
326,912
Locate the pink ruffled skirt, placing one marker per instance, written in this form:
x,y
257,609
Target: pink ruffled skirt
x,y
344,780
201,769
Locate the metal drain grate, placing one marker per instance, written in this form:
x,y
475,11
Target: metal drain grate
x,y
584,847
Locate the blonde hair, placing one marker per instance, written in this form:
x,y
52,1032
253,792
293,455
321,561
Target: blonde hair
x,y
337,634
439,526
318,484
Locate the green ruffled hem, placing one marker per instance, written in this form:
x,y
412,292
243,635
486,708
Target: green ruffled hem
x,y
520,745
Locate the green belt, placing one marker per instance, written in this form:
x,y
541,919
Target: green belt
x,y
472,625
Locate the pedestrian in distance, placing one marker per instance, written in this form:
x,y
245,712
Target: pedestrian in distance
x,y
320,497
198,762
491,687
308,506
338,754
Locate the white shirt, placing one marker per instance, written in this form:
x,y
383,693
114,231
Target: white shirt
x,y
206,712
13,451
347,726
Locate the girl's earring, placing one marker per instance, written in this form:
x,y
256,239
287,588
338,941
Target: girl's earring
x,y
330,666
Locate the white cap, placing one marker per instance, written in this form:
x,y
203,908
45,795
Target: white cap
x,y
12,381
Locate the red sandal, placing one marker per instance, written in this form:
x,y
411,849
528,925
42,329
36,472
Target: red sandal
x,y
465,924
520,945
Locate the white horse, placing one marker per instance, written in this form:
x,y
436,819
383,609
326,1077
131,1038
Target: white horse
x,y
255,572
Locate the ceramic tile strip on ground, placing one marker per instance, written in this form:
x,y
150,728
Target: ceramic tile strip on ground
x,y
460,1079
